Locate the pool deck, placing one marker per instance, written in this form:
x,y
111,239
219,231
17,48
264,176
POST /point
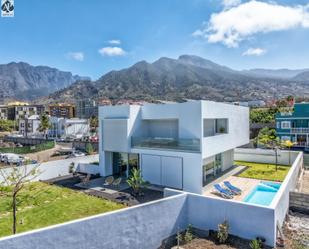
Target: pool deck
x,y
245,184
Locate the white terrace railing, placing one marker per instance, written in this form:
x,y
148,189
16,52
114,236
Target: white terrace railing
x,y
299,130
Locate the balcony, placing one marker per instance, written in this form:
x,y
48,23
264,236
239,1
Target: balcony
x,y
301,144
299,130
189,145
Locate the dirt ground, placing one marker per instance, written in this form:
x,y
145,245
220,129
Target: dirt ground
x,y
296,231
46,155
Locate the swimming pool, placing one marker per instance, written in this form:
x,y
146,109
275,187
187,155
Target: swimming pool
x,y
263,193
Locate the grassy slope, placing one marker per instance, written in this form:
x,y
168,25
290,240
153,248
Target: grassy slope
x,y
52,205
263,171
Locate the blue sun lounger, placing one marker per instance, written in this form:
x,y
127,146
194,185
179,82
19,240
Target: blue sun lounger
x,y
232,188
223,192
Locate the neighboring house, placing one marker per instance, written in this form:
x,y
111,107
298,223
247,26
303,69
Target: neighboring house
x,y
22,110
68,128
29,127
294,125
86,108
3,112
62,110
182,145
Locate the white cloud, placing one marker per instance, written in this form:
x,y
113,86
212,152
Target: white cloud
x,y
114,42
233,25
254,51
78,56
112,51
230,3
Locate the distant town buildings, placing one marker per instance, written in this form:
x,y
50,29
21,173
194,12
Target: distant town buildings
x,y
62,110
68,128
3,112
23,110
251,103
86,108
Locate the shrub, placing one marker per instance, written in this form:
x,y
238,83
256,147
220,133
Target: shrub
x,y
71,168
89,148
189,234
255,244
136,181
223,232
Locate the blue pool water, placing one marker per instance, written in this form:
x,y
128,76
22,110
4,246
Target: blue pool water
x,y
263,193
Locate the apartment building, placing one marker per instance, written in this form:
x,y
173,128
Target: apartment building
x,y
294,125
62,110
23,110
86,108
182,146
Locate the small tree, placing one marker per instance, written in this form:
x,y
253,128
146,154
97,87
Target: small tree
x,y
267,137
94,124
288,144
14,181
136,181
44,125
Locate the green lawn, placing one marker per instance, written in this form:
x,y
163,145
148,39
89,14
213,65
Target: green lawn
x,y
263,171
51,205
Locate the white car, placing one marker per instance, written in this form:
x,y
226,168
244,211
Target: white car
x,y
11,158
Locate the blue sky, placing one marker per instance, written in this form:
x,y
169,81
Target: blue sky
x,y
95,36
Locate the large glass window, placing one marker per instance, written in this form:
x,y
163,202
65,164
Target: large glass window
x,y
212,169
123,163
215,126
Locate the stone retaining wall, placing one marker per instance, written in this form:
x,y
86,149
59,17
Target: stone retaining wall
x,y
299,202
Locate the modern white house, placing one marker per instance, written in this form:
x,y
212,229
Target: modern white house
x,y
181,145
68,128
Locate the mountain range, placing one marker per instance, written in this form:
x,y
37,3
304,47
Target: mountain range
x,y
23,81
187,77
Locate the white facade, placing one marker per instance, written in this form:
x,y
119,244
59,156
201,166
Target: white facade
x,y
68,128
175,145
29,127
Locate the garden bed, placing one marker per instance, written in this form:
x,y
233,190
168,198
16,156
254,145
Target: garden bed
x,y
211,242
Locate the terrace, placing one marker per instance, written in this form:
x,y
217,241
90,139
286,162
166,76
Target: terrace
x,y
249,177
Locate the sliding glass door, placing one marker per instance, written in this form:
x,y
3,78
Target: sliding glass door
x,y
123,163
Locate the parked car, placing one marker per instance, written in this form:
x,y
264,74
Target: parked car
x,y
76,153
2,155
11,158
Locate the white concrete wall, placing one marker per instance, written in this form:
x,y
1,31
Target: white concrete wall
x,y
246,221
282,199
238,127
53,169
188,115
265,156
88,168
140,227
145,226
227,159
